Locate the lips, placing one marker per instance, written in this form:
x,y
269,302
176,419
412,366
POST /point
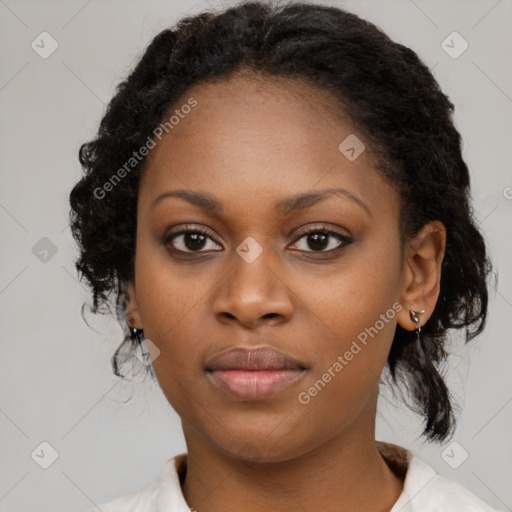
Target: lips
x,y
265,358
254,374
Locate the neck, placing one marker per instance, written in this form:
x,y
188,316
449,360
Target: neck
x,y
345,473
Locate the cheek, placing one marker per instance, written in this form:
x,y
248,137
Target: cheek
x,y
354,321
170,302
168,295
349,297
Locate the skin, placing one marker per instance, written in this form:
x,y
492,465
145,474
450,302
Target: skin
x,y
249,144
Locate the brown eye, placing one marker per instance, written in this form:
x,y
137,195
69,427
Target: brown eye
x,y
190,241
321,241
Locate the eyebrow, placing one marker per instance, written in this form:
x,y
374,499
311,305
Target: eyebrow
x,y
286,206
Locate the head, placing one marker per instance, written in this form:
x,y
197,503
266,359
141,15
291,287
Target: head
x,y
241,114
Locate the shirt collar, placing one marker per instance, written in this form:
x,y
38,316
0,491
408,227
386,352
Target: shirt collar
x,y
418,474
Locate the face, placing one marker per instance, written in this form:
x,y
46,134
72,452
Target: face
x,y
319,280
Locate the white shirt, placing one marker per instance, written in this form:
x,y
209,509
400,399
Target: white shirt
x,y
424,490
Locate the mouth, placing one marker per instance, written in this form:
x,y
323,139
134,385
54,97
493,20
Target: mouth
x,y
254,384
253,374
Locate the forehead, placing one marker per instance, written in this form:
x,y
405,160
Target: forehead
x,y
261,106
260,138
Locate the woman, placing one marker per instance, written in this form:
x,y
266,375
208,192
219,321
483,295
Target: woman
x,y
277,199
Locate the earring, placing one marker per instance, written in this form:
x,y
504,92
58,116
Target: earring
x,y
135,334
416,319
138,335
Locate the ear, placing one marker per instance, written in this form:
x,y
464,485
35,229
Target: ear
x,y
132,311
421,275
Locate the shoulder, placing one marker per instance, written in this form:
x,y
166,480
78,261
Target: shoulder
x,y
142,500
426,490
162,494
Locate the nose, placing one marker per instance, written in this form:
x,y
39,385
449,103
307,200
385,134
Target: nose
x,y
253,294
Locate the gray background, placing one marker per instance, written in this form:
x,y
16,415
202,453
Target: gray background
x,y
56,383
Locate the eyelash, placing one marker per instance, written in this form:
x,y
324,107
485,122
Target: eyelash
x,y
323,229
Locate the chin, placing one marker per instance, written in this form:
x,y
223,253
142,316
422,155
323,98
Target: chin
x,y
263,450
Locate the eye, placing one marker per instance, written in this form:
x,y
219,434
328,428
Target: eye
x,y
189,240
319,239
322,240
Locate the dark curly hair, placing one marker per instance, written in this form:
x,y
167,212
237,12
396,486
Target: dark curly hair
x,y
391,97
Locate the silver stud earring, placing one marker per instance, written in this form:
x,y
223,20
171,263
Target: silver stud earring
x,y
416,319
